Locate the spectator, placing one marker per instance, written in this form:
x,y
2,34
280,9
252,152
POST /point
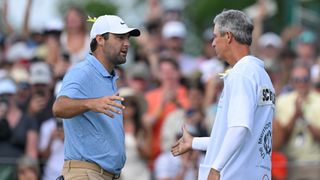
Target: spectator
x,y
61,66
269,46
177,168
50,50
209,65
287,59
18,131
298,115
51,145
41,92
22,78
28,168
169,96
306,48
138,77
174,34
74,39
193,118
137,139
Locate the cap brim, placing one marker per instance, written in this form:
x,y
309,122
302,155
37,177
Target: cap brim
x,y
131,31
134,32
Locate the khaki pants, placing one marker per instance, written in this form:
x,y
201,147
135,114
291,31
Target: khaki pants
x,y
80,170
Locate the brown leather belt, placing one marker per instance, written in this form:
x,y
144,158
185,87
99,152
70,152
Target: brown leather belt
x,y
89,165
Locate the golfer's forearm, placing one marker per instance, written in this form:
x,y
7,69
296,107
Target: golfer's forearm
x,y
65,107
230,146
200,143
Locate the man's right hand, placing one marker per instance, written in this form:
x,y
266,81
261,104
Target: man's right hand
x,y
184,144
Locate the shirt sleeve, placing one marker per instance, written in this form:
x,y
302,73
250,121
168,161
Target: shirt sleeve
x,y
200,143
242,101
230,146
71,84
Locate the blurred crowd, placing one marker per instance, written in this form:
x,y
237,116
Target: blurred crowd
x,y
164,87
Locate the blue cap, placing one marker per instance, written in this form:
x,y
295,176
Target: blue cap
x,y
307,37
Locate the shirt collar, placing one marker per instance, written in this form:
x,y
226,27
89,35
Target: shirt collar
x,y
99,67
245,58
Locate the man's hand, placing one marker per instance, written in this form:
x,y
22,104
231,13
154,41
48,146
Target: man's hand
x,y
183,145
214,174
107,105
65,107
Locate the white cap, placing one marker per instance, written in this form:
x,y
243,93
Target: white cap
x,y
7,86
270,39
40,73
174,29
112,24
19,51
55,24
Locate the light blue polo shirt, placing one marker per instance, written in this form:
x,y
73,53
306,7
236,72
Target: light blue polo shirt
x,y
91,136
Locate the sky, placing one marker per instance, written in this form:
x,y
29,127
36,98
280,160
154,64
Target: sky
x,y
41,12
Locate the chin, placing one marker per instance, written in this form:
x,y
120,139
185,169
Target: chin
x,y
122,61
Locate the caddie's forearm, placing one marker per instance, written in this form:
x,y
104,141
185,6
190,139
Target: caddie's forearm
x,y
200,143
65,107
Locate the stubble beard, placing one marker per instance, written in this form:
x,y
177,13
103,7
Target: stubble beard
x,y
117,60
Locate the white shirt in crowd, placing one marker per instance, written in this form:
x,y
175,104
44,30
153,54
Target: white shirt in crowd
x,y
54,164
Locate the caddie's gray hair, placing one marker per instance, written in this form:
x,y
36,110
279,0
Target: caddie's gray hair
x,y
236,22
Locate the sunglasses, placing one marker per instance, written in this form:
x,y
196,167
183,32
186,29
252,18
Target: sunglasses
x,y
303,79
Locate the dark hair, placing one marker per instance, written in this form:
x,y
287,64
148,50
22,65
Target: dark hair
x,y
173,62
133,102
65,57
94,43
195,84
288,53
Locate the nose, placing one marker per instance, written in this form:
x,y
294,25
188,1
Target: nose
x,y
213,44
127,42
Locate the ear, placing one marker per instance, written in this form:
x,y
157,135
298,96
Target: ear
x,y
229,36
100,40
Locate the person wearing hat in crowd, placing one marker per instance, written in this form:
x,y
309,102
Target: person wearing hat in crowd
x,y
41,100
90,106
174,35
138,77
269,47
306,48
18,131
